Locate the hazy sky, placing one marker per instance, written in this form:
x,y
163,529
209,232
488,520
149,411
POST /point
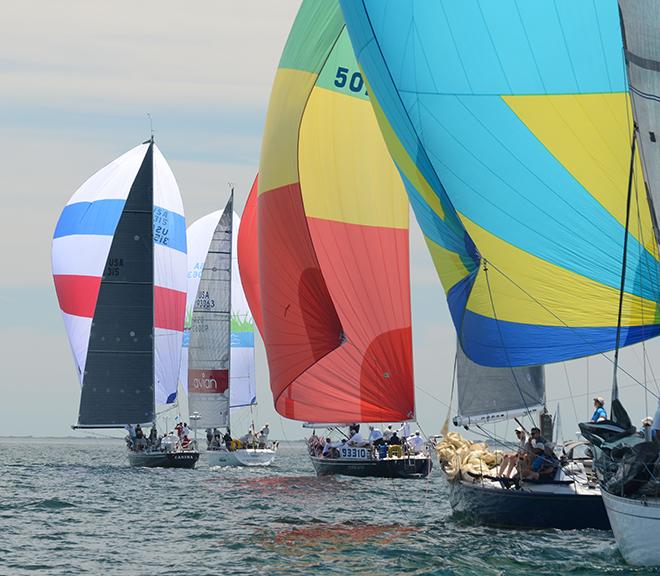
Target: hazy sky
x,y
78,78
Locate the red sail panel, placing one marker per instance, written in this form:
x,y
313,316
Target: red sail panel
x,y
248,255
299,319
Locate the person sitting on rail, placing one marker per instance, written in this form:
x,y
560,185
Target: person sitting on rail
x,y
394,439
330,448
416,443
510,461
544,467
375,436
185,442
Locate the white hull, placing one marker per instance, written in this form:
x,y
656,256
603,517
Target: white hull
x,y
636,527
242,457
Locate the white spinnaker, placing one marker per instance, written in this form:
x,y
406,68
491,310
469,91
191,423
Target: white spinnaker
x,y
242,382
170,264
84,255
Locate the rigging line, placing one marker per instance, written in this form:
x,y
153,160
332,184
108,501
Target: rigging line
x,y
506,352
615,384
570,392
432,396
603,354
640,231
445,426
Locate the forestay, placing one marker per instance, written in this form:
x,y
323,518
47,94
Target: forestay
x,y
510,124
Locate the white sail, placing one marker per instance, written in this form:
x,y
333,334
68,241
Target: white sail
x,y
242,382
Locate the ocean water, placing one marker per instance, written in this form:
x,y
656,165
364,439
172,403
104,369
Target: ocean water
x,y
75,507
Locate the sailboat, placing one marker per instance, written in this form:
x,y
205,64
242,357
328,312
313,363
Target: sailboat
x,y
333,251
511,126
571,500
119,258
218,363
628,462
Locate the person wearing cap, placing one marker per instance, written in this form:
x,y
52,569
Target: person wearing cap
x,y
387,434
510,461
357,440
599,414
416,443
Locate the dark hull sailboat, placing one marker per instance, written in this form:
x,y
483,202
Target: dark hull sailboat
x,y
548,505
118,263
406,467
163,459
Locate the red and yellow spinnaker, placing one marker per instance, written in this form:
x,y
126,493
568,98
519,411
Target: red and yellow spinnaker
x,y
333,238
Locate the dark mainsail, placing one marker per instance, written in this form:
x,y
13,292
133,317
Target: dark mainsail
x,y
118,383
491,394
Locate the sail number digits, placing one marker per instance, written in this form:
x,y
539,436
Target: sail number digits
x,y
349,452
354,80
161,226
113,266
204,301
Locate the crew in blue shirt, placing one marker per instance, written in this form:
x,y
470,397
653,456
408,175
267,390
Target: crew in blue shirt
x,y
599,414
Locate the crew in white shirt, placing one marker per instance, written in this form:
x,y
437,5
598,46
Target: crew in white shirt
x,y
375,436
387,433
404,431
416,443
357,440
263,436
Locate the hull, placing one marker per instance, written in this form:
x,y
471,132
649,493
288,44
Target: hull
x,y
635,524
243,457
415,467
541,506
163,459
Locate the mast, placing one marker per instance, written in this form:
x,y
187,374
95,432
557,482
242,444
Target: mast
x,y
230,203
615,384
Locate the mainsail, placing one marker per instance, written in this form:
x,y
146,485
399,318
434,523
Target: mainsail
x,y
218,360
492,394
209,307
119,253
510,123
640,20
333,238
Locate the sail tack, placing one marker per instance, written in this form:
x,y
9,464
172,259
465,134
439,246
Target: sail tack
x,y
118,262
510,123
333,238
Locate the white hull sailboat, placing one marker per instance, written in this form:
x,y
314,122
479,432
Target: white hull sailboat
x,y
635,525
241,457
219,341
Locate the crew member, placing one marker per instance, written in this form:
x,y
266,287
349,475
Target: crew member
x,y
599,414
416,443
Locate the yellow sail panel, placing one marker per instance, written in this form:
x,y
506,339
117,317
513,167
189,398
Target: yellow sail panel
x,y
337,185
535,299
590,135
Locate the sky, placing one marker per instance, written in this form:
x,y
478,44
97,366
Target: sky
x,y
78,79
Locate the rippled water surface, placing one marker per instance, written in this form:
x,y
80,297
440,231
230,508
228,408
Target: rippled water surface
x,y
75,507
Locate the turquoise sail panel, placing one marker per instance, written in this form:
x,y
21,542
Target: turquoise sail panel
x,y
511,125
